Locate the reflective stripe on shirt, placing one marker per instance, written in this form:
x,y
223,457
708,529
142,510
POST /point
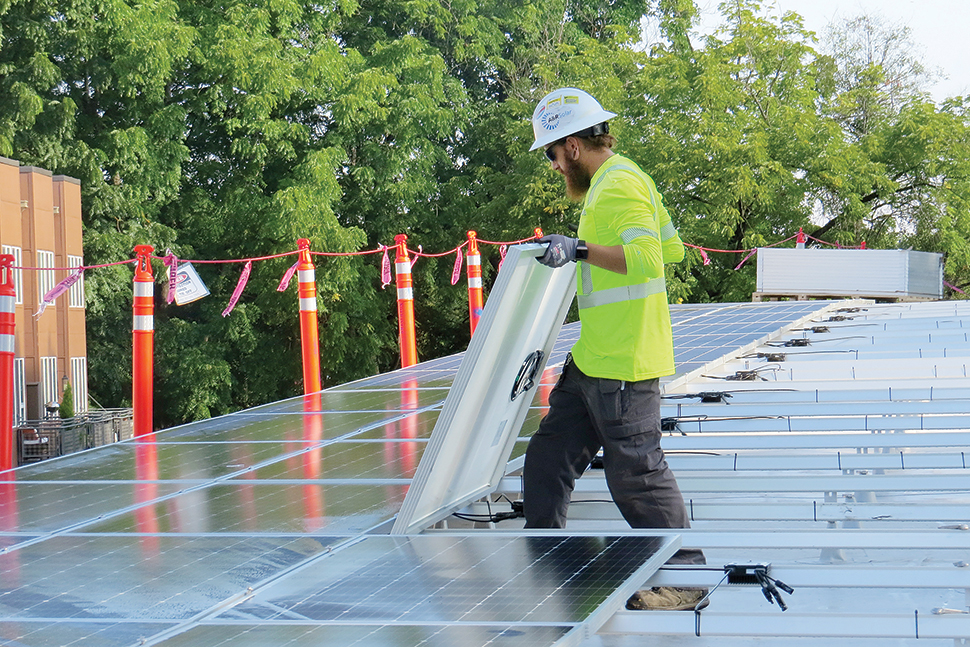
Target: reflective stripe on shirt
x,y
622,293
633,233
668,231
586,277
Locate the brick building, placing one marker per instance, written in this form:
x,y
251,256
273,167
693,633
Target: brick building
x,y
40,225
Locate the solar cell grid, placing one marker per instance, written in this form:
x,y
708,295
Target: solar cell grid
x,y
330,635
702,335
271,428
105,633
49,507
417,426
265,507
149,461
480,579
414,376
394,458
139,577
371,397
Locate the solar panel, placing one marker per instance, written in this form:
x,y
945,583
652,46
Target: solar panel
x,y
332,635
704,333
489,399
468,578
145,577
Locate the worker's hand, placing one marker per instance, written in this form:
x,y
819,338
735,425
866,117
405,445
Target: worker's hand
x,y
560,251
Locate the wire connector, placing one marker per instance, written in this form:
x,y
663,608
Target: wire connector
x,y
518,510
758,574
745,573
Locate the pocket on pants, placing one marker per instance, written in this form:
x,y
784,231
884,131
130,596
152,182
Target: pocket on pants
x,y
627,408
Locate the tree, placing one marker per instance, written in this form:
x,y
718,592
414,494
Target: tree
x,y
228,130
67,402
911,183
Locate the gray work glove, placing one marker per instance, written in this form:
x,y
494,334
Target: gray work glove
x,y
560,251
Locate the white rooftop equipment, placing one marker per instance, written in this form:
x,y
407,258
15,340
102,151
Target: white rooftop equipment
x,y
897,274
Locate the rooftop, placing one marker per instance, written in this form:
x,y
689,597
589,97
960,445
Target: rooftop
x,y
839,460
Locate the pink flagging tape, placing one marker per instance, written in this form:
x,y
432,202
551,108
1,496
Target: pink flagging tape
x,y
172,263
385,268
243,279
745,260
456,273
58,290
953,287
287,277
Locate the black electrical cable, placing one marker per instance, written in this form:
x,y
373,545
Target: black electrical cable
x,y
681,396
770,592
747,376
493,517
804,341
789,354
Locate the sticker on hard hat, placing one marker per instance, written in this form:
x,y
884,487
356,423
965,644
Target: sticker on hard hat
x,y
551,121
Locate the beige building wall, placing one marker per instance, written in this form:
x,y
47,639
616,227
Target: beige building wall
x,y
11,236
36,187
42,213
11,224
72,342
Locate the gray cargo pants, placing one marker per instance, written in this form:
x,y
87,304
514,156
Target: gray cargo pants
x,y
585,414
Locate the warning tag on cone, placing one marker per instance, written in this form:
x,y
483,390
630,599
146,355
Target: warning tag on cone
x,y
188,286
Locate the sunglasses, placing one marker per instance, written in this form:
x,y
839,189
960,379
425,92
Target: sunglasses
x,y
550,155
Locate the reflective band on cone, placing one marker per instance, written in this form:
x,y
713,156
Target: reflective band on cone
x,y
143,322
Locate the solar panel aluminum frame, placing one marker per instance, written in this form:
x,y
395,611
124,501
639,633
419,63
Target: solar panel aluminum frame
x,y
466,455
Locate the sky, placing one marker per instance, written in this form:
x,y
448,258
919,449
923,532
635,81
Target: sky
x,y
940,28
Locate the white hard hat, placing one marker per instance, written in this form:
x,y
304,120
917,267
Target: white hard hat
x,y
565,112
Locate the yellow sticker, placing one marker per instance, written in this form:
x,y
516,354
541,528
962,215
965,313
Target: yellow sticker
x,y
572,99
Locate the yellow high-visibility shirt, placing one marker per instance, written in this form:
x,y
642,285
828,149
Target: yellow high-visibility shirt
x,y
626,332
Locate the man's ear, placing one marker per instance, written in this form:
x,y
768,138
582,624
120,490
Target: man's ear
x,y
572,148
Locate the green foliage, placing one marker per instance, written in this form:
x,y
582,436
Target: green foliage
x,y
229,130
67,402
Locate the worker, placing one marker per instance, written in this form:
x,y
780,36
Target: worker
x,y
608,395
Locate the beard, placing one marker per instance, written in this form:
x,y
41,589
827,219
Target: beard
x,y
577,180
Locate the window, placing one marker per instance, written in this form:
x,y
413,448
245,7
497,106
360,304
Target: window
x,y
50,389
18,281
79,383
76,296
45,278
19,390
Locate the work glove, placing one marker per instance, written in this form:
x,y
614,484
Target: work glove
x,y
560,251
